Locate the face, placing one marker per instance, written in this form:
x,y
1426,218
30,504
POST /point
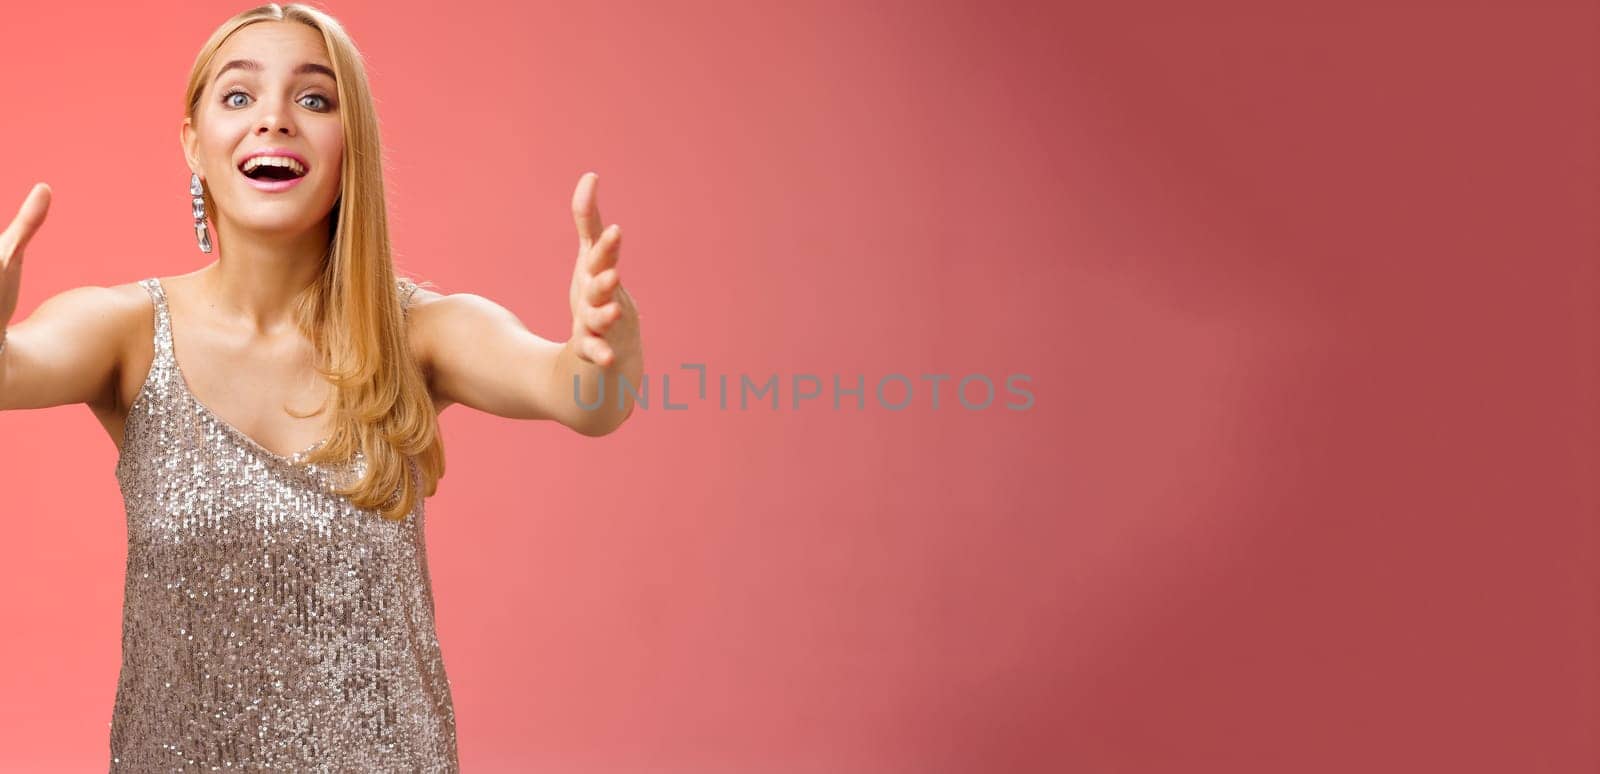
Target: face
x,y
271,90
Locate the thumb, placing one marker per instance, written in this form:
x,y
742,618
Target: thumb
x,y
29,218
584,211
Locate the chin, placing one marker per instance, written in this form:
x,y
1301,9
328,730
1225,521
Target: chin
x,y
278,220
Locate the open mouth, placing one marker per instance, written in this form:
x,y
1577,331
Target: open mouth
x,y
273,169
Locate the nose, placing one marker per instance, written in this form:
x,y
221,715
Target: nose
x,y
275,120
272,126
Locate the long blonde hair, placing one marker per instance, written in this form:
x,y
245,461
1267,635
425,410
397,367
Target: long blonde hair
x,y
353,313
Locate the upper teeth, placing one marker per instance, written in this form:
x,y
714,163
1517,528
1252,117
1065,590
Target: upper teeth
x,y
274,161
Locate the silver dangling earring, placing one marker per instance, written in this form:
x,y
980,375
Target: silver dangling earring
x,y
198,193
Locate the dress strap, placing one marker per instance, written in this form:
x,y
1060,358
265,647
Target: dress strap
x,y
407,289
163,321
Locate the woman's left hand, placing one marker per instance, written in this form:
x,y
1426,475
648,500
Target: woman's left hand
x,y
605,322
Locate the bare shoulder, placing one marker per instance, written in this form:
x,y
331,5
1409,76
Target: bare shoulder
x,y
103,298
109,310
478,353
130,298
76,343
130,309
427,311
423,297
435,313
455,317
421,311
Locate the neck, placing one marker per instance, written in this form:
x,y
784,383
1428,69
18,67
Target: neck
x,y
257,274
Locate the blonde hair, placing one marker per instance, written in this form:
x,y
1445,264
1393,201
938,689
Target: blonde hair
x,y
354,312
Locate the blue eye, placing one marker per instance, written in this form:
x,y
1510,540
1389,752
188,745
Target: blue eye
x,y
322,104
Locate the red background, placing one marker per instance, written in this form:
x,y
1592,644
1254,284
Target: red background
x,y
1306,291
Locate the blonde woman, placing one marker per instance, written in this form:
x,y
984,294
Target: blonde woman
x,y
276,413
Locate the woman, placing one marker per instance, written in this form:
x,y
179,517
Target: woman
x,y
276,416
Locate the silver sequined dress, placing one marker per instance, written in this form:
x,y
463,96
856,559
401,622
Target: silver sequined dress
x,y
268,623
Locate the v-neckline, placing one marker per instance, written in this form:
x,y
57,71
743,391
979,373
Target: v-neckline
x,y
183,384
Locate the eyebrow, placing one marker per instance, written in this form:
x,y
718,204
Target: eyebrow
x,y
253,65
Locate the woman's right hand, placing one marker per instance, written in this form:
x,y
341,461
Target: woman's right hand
x,y
70,349
13,241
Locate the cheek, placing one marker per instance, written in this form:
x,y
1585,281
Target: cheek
x,y
219,138
330,148
335,165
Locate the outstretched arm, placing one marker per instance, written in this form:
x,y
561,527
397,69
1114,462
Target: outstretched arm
x,y
68,350
481,355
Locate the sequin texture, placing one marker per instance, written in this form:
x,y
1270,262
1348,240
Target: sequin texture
x,y
268,623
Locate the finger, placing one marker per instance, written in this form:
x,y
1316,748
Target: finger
x,y
601,289
604,254
586,211
598,319
599,351
29,217
594,349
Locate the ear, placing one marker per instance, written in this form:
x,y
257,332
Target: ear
x,y
190,139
